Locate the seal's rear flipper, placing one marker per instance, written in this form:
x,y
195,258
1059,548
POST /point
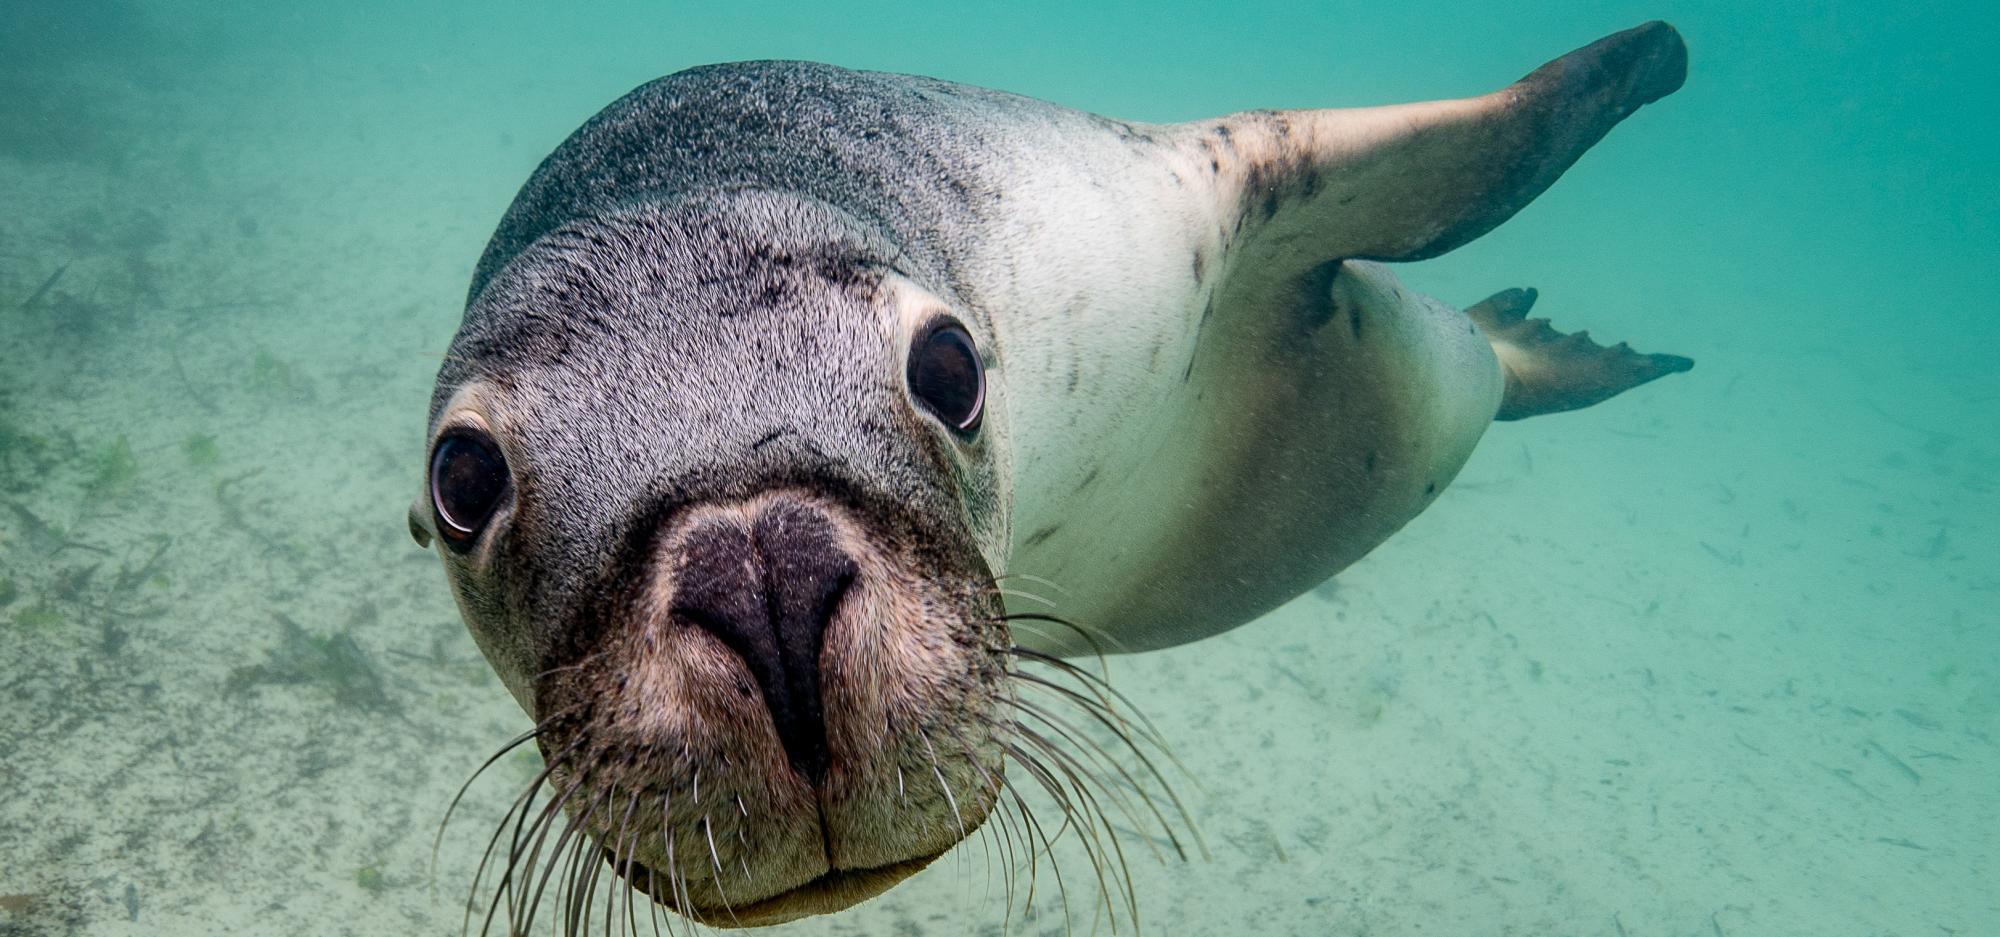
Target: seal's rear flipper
x,y
1548,371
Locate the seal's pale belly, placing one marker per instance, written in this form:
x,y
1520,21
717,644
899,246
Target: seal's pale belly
x,y
1344,428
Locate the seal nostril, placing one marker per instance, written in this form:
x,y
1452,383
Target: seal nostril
x,y
768,594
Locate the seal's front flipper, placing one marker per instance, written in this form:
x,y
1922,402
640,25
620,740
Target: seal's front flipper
x,y
1548,371
1412,181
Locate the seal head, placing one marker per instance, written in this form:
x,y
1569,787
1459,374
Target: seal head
x,y
715,522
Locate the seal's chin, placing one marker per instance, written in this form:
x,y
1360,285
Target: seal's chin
x,y
836,890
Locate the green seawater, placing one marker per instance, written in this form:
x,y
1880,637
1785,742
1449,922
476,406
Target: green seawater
x,y
1718,657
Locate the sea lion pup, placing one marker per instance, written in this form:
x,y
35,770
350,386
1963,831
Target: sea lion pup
x,y
774,369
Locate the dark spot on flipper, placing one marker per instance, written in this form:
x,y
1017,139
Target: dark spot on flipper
x,y
1036,538
1368,463
1088,480
1354,320
1199,265
1430,489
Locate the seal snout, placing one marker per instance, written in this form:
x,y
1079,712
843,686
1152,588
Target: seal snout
x,y
767,590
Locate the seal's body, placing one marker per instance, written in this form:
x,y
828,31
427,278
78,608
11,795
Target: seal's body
x,y
774,370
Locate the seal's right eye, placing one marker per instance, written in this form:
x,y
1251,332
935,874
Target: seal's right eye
x,y
468,481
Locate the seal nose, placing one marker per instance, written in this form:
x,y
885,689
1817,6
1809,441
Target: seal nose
x,y
768,593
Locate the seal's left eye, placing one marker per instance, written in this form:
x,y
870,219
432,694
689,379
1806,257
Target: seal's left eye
x,y
946,376
468,481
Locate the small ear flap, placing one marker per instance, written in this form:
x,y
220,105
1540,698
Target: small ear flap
x,y
1413,181
419,518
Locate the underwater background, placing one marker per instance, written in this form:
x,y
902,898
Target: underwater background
x,y
1718,657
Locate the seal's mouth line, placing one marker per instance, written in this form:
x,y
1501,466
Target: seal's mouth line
x,y
836,888
825,835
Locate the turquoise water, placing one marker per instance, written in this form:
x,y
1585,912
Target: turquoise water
x,y
1716,657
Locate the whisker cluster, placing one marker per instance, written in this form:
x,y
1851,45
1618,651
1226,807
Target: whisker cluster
x,y
1063,727
538,844
1074,736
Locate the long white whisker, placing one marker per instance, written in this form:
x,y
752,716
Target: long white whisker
x,y
939,773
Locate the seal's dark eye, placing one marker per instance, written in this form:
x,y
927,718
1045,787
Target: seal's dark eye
x,y
946,376
468,480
